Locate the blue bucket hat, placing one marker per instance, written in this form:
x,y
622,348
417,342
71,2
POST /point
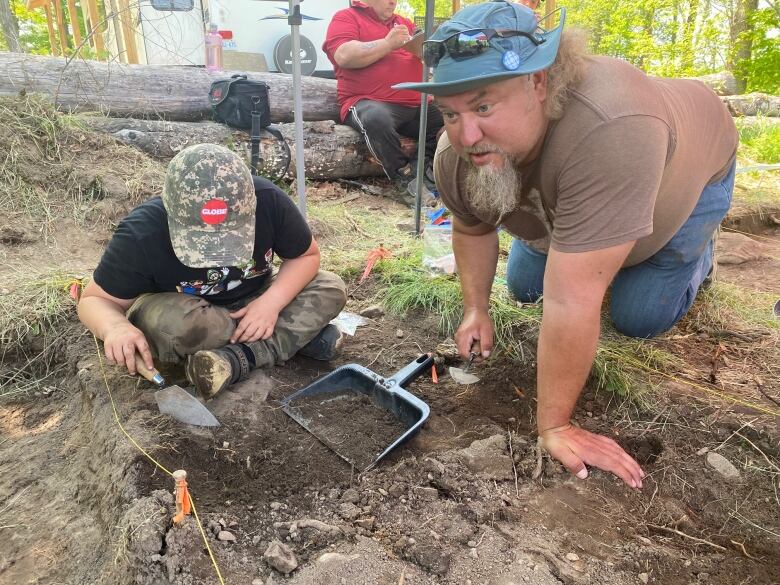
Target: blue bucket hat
x,y
508,56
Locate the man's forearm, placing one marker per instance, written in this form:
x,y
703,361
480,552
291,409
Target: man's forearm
x,y
359,54
567,345
476,257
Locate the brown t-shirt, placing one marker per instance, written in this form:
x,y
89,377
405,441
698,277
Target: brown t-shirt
x,y
627,161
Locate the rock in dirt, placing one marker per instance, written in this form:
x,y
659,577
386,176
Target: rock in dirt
x,y
399,333
644,578
226,536
571,557
448,349
737,249
350,496
366,523
318,525
329,557
722,465
488,458
427,493
372,312
431,558
279,556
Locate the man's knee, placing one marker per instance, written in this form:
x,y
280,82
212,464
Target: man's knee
x,y
374,116
521,289
643,322
177,325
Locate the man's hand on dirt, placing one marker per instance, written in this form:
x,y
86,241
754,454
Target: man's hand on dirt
x,y
398,36
255,321
576,448
475,334
121,344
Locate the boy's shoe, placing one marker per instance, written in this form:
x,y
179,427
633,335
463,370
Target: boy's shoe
x,y
213,370
325,346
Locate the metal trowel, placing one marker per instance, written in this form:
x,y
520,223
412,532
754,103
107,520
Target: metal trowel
x,y
462,375
175,401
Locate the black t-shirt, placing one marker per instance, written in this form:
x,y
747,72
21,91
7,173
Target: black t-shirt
x,y
140,259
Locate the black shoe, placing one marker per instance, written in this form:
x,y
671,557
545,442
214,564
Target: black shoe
x,y
325,346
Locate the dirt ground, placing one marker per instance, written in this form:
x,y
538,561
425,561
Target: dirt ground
x,y
80,504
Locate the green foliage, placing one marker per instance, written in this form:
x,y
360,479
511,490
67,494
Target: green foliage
x,y
762,70
33,33
760,142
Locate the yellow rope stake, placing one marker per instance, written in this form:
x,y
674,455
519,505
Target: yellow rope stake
x,y
157,463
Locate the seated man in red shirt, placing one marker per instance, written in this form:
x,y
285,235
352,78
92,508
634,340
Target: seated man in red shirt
x,y
365,43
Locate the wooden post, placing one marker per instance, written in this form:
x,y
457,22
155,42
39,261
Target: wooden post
x,y
128,32
50,24
549,22
455,6
61,26
93,24
74,22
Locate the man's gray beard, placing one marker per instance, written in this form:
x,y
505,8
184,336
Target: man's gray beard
x,y
493,190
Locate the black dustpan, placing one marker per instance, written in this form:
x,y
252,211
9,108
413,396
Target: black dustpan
x,y
359,414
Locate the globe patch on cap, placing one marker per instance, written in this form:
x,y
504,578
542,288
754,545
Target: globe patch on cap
x,y
510,60
214,211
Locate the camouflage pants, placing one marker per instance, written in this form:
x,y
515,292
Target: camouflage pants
x,y
177,325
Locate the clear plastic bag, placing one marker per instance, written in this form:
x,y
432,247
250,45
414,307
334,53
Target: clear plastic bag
x,y
438,257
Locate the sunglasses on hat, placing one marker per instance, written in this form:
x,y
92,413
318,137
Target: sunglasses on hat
x,y
467,44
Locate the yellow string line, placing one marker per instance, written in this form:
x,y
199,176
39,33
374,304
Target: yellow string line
x,y
153,460
722,395
205,540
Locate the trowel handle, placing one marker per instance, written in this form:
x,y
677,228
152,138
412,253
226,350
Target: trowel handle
x,y
152,375
409,372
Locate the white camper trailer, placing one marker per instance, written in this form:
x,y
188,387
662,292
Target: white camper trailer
x,y
256,34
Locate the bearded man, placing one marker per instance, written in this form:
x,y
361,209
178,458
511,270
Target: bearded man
x,y
604,176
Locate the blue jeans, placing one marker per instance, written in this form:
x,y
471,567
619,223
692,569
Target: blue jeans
x,y
650,297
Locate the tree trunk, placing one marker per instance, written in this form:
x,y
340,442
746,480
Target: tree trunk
x,y
9,26
753,104
742,45
151,91
331,151
689,29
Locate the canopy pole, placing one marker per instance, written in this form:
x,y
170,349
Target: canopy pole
x,y
429,7
294,19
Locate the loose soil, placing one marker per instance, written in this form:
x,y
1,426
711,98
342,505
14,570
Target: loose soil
x,y
79,503
350,423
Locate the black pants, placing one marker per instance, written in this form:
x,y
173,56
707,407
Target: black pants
x,y
382,124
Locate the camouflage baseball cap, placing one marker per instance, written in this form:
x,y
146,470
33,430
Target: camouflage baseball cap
x,y
210,200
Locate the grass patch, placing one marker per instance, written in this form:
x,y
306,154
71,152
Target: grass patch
x,y
32,316
53,166
347,235
759,139
36,305
728,306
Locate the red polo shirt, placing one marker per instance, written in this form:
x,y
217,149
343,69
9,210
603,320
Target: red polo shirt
x,y
360,22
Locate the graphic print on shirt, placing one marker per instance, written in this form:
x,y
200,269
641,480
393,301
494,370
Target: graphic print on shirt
x,y
250,269
214,284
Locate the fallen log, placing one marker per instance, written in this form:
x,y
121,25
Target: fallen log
x,y
752,104
723,83
331,151
150,91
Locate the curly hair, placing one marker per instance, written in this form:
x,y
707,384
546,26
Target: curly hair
x,y
566,72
